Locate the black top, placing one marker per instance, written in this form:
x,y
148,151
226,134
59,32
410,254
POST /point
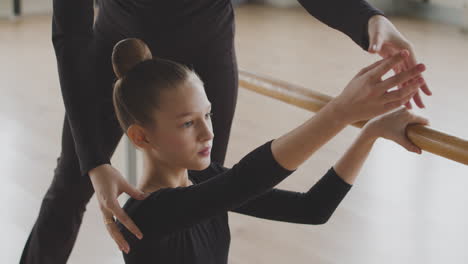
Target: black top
x,y
190,224
174,26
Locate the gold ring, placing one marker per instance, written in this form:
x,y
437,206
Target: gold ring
x,y
109,221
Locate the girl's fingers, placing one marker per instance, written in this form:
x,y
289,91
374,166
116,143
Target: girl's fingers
x,y
408,145
405,141
402,77
417,98
413,61
388,64
370,67
403,93
397,70
418,101
406,66
425,89
395,104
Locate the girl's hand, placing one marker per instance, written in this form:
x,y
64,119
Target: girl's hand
x,y
393,125
108,184
367,95
386,40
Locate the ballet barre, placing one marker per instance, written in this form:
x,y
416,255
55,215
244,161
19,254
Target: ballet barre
x,y
427,139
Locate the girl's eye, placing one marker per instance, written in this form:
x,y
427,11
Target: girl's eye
x,y
188,124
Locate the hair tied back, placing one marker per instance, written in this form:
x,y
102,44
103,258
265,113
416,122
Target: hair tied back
x,y
127,53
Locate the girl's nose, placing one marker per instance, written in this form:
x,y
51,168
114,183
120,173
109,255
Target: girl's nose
x,y
207,131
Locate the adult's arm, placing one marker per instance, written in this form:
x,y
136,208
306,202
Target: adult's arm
x,y
348,16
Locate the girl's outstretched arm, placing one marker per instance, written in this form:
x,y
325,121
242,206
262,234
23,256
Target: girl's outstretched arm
x,y
318,204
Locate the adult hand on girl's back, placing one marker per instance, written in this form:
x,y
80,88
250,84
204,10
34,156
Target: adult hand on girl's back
x,y
367,95
108,184
393,126
386,40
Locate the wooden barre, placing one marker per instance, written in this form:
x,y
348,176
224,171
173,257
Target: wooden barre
x,y
424,137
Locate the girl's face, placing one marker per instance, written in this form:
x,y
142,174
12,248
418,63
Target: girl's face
x,y
183,127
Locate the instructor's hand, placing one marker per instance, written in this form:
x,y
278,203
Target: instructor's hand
x,y
386,40
108,184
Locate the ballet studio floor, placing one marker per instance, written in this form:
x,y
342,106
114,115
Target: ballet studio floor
x,y
404,207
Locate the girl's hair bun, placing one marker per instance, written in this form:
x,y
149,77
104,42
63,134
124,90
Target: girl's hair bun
x,y
127,53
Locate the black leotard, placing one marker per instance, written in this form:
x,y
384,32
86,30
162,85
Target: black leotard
x,y
190,224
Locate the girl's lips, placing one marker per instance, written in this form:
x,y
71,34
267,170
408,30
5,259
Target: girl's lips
x,y
205,150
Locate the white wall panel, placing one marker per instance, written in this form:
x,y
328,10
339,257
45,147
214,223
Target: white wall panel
x,y
36,7
6,8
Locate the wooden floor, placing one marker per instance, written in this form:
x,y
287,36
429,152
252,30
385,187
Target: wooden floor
x,y
404,208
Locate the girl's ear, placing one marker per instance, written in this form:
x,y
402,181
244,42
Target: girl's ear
x,y
137,135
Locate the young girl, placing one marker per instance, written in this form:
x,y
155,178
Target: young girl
x,y
162,107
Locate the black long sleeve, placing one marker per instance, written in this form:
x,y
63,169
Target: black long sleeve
x,y
348,16
314,207
72,37
190,224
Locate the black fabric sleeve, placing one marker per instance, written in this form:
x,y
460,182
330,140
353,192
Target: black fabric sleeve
x,y
72,38
312,207
171,209
348,16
